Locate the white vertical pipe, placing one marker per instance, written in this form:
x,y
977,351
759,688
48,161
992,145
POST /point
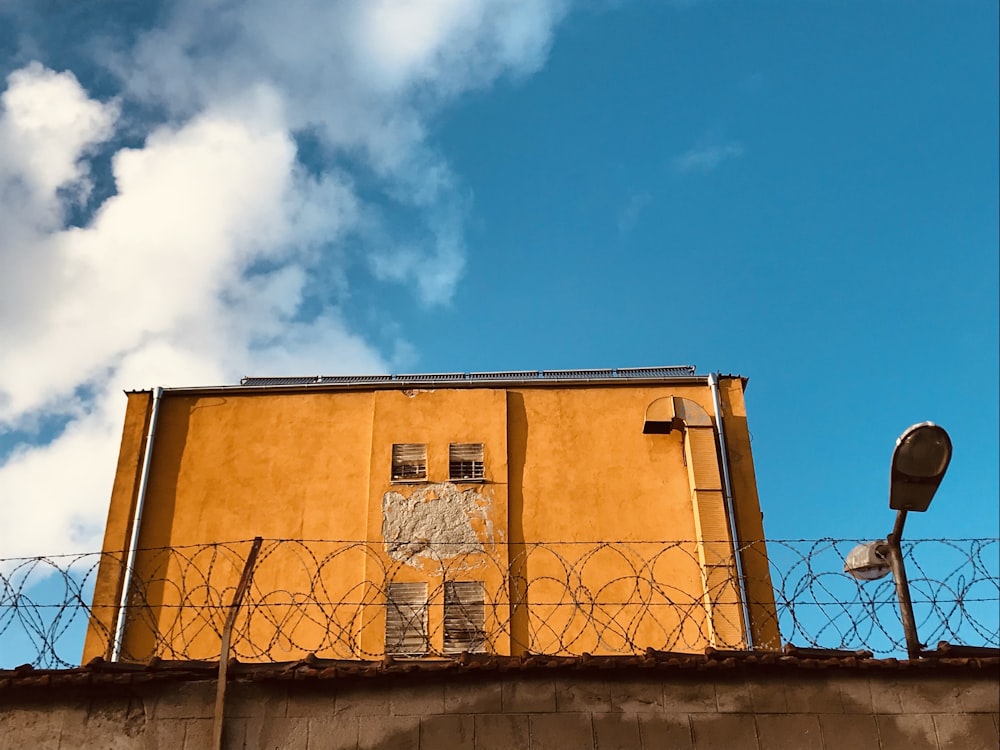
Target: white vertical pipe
x,y
136,524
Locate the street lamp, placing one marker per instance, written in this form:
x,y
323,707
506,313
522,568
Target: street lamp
x,y
919,462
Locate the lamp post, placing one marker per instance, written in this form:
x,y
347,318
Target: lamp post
x,y
919,462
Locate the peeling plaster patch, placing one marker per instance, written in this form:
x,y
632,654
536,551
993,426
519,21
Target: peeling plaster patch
x,y
435,523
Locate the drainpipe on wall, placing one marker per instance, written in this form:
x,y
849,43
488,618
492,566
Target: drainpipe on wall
x,y
713,382
136,523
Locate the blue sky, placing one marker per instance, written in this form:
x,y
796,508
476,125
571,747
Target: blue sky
x,y
804,193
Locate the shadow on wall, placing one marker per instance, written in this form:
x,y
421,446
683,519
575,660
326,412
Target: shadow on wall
x,y
517,445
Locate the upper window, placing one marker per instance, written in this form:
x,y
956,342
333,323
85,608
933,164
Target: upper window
x,y
409,462
465,462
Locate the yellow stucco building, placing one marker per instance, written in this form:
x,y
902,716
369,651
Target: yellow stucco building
x,y
599,511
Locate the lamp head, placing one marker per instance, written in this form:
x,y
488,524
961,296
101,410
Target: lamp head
x,y
919,462
868,562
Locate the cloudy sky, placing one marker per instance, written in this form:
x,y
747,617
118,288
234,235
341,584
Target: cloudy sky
x,y
801,192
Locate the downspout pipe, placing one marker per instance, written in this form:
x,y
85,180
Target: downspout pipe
x,y
727,486
136,525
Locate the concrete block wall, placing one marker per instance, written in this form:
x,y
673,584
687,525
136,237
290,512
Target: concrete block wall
x,y
821,709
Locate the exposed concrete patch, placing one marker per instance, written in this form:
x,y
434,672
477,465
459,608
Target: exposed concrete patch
x,y
436,522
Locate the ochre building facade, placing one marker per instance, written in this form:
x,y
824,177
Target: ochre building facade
x,y
567,512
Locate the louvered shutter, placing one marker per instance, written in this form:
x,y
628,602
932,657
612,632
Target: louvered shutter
x,y
465,461
409,461
464,613
406,619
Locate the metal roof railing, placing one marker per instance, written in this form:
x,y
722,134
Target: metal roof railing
x,y
515,376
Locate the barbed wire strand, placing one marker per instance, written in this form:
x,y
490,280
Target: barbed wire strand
x,y
334,599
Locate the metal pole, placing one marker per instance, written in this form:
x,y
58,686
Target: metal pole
x,y
913,644
227,633
133,543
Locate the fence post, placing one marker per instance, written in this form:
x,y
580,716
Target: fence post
x,y
227,633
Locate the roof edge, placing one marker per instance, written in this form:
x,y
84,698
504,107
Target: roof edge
x,y
668,374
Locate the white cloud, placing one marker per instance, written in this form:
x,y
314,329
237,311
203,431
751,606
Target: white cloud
x,y
707,158
197,268
154,290
193,207
58,493
628,215
48,125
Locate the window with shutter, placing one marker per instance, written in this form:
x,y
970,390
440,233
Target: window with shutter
x,y
406,619
465,462
464,615
409,462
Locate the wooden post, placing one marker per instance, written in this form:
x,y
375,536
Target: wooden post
x,y
227,633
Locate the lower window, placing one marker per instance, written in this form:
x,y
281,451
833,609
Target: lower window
x,y
464,614
406,619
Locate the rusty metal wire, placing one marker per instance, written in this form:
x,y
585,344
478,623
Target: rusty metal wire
x,y
566,598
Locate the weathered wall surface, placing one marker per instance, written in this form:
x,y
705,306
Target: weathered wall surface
x,y
825,709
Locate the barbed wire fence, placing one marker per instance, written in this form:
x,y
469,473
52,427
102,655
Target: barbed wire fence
x,y
343,599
